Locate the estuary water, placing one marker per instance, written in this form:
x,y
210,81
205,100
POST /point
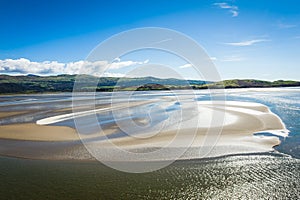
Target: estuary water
x,y
267,175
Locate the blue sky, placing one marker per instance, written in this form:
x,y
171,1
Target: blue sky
x,y
245,39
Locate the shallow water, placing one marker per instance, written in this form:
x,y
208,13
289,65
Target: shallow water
x,y
238,177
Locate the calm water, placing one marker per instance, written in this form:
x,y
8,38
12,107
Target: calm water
x,y
238,177
265,176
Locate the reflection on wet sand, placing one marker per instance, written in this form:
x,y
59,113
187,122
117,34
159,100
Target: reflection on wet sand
x,y
149,122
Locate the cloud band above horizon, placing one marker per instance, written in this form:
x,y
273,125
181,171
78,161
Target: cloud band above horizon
x,y
24,66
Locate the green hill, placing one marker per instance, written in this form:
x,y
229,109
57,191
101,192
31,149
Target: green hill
x,y
65,83
250,83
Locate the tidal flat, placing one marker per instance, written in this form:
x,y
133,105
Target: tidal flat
x,y
256,154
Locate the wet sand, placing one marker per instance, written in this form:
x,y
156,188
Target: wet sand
x,y
10,114
234,135
34,132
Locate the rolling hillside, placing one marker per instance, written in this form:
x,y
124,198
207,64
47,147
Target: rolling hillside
x,y
64,83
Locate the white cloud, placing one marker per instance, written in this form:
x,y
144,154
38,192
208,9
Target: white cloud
x,y
185,66
109,74
25,66
246,43
234,13
118,65
233,58
234,10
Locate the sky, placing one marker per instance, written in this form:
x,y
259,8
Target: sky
x,y
244,39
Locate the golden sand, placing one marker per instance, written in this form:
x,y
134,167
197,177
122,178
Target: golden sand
x,y
36,132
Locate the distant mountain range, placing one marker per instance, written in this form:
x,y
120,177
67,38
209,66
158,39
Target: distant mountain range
x,y
65,83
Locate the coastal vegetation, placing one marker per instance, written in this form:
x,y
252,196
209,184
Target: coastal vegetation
x,y
64,83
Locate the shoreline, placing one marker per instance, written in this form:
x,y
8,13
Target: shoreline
x,y
164,90
273,153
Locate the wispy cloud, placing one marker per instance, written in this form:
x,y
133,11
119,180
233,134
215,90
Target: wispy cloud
x,y
246,43
286,26
185,66
25,66
234,10
297,37
233,58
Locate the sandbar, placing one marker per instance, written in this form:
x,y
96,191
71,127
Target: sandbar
x,y
234,135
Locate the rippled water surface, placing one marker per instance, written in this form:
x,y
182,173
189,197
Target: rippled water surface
x,y
238,177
